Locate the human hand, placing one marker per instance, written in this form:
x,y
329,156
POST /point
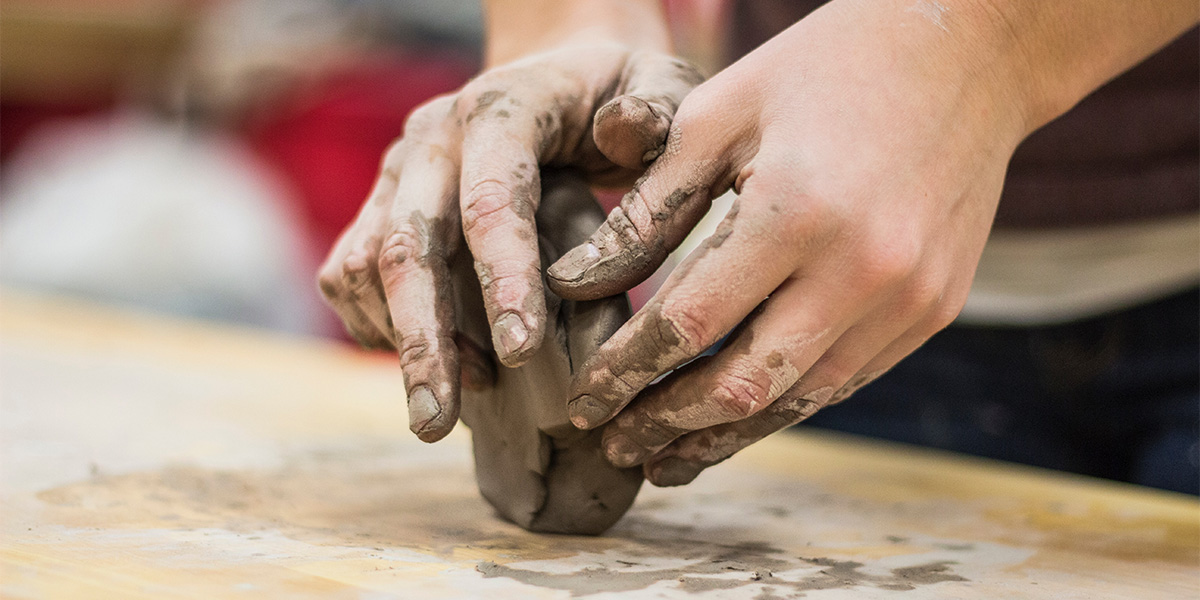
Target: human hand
x,y
603,109
868,149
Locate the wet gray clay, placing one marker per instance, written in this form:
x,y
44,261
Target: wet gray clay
x,y
531,463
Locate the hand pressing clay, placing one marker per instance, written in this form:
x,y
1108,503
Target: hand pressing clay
x,y
531,463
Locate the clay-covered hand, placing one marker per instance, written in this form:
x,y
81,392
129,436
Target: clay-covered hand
x,y
868,149
467,163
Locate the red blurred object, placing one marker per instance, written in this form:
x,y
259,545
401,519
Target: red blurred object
x,y
328,144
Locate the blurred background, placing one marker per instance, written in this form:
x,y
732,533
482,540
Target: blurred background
x,y
198,157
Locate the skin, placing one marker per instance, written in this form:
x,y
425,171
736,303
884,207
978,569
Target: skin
x,y
466,169
867,143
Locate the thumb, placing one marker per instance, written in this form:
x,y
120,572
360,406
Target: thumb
x,y
631,129
652,220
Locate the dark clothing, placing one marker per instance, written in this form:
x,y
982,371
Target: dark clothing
x,y
1114,396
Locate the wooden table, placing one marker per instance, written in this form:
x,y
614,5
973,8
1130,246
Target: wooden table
x,y
142,457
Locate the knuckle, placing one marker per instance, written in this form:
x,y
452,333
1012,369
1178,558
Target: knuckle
x,y
918,298
499,273
810,220
621,221
392,157
428,117
416,345
407,241
739,396
682,326
885,263
329,281
651,430
484,204
482,95
355,272
944,312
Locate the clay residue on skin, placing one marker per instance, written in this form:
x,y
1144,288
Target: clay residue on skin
x,y
724,228
736,568
782,373
681,463
637,236
429,360
854,385
630,132
530,315
484,102
418,239
612,378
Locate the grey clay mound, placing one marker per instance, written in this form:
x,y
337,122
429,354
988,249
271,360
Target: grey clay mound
x,y
531,464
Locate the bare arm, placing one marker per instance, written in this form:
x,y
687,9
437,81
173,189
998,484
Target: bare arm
x,y
516,28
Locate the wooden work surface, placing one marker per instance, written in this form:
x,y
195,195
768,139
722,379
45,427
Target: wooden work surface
x,y
143,457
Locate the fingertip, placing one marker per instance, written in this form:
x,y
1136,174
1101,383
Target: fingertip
x,y
567,273
671,471
630,131
622,451
515,339
428,418
586,412
585,273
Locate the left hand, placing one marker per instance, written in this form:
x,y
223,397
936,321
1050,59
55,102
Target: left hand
x,y
868,148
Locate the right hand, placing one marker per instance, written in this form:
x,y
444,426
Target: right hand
x,y
467,167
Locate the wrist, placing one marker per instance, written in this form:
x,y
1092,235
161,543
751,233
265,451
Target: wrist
x,y
517,28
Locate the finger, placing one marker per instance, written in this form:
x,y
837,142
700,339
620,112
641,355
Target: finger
x,y
683,460
686,316
357,325
764,358
651,221
347,279
686,457
631,129
851,363
939,315
499,195
414,271
360,276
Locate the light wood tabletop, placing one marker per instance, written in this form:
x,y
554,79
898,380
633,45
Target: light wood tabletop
x,y
146,457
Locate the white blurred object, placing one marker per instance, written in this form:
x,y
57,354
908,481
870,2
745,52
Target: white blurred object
x,y
133,210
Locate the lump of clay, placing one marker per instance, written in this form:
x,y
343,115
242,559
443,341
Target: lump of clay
x,y
531,463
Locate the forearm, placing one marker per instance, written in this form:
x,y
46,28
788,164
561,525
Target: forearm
x,y
1056,53
515,28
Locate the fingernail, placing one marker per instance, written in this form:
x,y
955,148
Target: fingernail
x,y
510,332
575,264
422,408
586,412
672,471
622,452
